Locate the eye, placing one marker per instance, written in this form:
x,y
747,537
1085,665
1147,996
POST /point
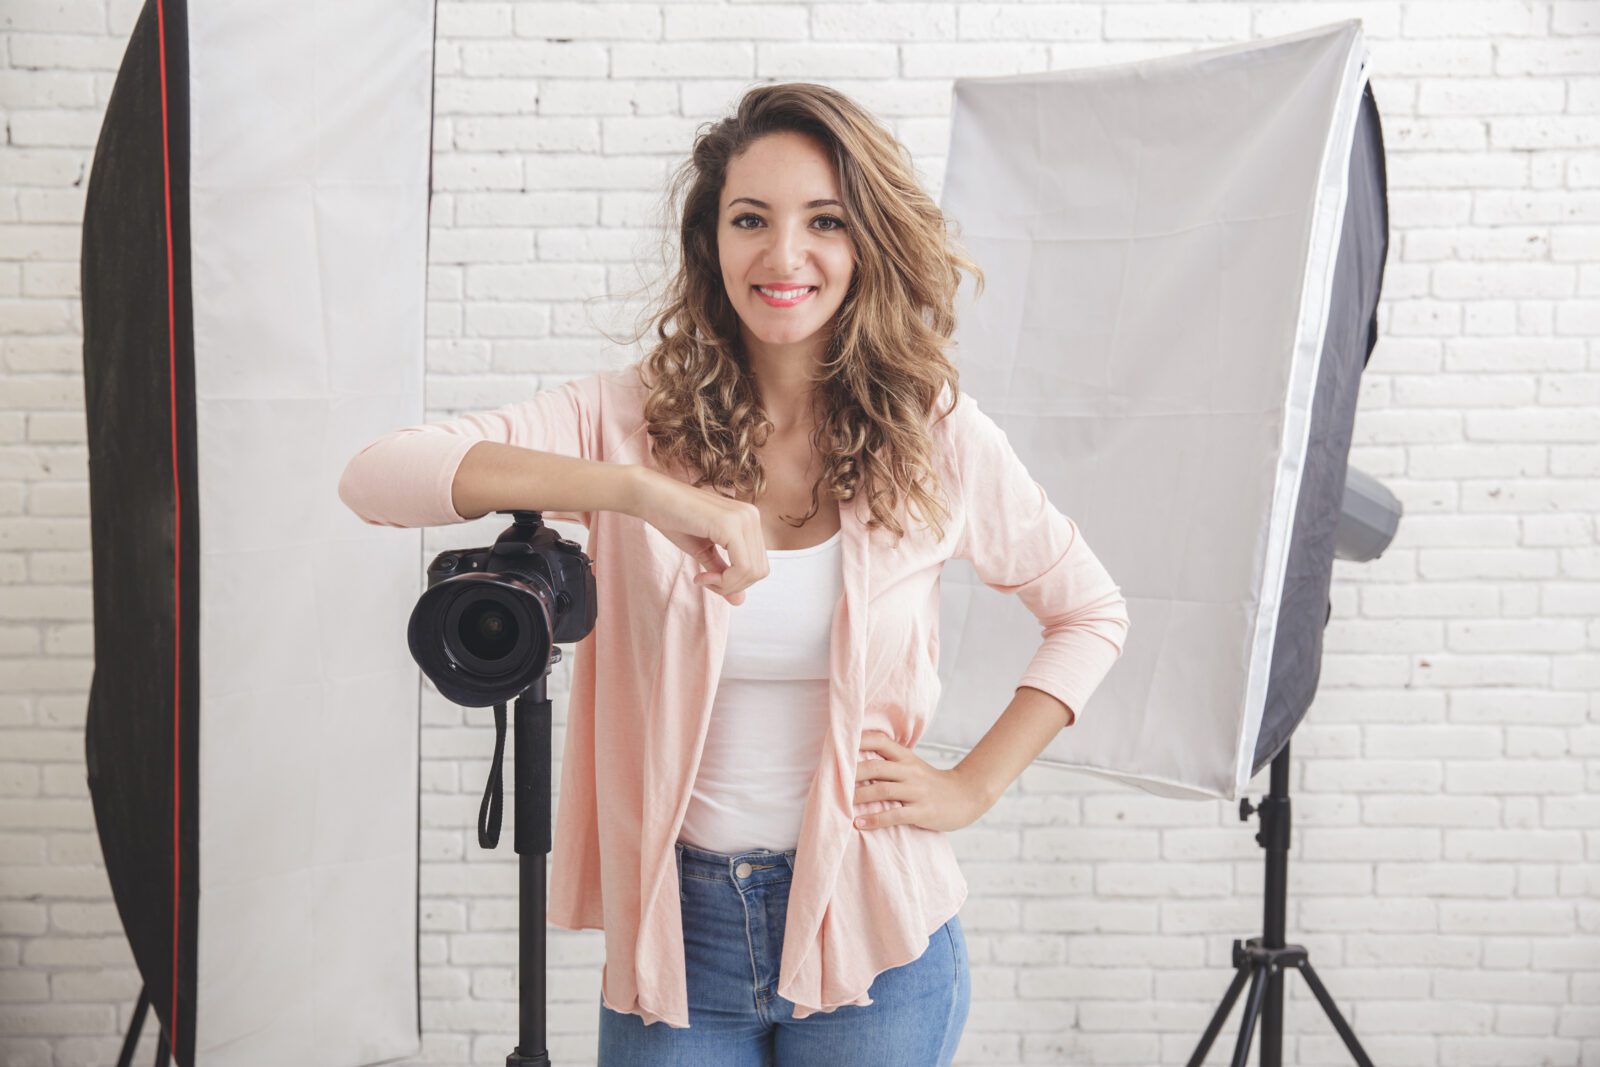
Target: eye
x,y
838,224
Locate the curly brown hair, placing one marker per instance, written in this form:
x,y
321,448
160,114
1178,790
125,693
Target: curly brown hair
x,y
885,365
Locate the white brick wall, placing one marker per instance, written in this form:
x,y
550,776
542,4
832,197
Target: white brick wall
x,y
1446,856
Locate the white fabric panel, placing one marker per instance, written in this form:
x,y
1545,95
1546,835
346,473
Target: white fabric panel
x,y
1159,241
309,166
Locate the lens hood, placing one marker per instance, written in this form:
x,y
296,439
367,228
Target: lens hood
x,y
483,638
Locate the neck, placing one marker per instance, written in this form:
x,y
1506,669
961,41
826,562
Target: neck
x,y
784,379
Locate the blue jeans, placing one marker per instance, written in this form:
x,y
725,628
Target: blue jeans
x,y
733,919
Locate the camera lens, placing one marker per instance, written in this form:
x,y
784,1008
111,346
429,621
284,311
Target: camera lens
x,y
483,638
488,625
487,630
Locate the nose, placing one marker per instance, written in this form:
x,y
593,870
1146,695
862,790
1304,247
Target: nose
x,y
786,253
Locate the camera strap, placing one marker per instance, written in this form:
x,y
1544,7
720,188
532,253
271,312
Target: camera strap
x,y
489,810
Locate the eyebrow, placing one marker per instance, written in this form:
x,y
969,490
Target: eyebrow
x,y
764,204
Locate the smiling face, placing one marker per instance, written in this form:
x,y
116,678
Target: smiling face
x,y
781,227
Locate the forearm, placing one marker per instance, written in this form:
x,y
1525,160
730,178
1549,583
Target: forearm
x,y
499,477
1023,730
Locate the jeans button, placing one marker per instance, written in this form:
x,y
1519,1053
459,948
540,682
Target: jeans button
x,y
743,870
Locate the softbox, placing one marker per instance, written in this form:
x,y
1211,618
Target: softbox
x,y
1183,259
253,267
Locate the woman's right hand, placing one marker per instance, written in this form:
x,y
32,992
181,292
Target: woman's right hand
x,y
701,522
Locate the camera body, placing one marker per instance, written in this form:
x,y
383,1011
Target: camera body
x,y
530,551
486,627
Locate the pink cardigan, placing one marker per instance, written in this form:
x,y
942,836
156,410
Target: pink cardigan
x,y
862,901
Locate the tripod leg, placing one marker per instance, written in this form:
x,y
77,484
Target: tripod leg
x,y
1272,1021
135,1027
163,1053
1220,1016
1252,1010
1326,1000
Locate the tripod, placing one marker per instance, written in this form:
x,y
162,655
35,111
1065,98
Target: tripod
x,y
1263,959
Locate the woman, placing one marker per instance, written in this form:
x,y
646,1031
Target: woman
x,y
769,608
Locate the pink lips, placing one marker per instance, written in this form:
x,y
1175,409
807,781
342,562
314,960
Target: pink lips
x,y
783,303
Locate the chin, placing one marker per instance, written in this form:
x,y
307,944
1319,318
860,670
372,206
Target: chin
x,y
787,337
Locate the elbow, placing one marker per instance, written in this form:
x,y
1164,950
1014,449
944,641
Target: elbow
x,y
1117,618
1120,623
353,492
1106,617
1114,620
348,493
345,496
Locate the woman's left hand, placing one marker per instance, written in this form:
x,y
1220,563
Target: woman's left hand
x,y
929,797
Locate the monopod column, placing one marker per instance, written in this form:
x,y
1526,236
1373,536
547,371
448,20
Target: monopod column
x,y
531,752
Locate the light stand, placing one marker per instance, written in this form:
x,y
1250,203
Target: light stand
x,y
1263,959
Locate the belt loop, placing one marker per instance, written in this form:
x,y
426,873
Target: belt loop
x,y
678,850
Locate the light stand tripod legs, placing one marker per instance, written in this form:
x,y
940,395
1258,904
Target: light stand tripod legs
x,y
1345,1033
130,1041
1252,1011
136,1024
1220,1016
1272,1018
1266,959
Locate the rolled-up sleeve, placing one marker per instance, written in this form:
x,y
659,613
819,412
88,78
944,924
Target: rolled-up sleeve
x,y
1019,542
406,477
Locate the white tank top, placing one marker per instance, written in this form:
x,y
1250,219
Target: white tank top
x,y
770,713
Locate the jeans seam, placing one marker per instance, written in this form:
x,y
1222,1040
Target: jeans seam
x,y
692,877
749,940
955,997
955,957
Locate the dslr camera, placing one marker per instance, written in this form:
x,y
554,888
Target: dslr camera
x,y
486,627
